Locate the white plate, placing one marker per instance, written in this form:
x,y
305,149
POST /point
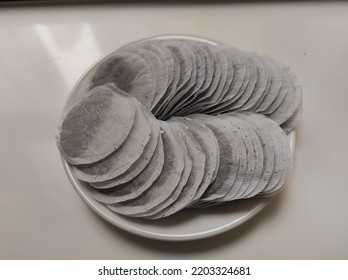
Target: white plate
x,y
189,224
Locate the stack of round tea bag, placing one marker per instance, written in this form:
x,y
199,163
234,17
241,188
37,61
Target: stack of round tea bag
x,y
168,124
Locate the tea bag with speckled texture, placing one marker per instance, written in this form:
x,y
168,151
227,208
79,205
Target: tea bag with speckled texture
x,y
96,126
122,158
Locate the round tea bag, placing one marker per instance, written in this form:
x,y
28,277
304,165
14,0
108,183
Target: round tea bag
x,y
140,164
129,72
229,157
122,158
96,126
210,147
164,185
134,187
187,193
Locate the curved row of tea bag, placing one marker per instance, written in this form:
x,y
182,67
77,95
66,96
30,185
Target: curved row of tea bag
x,y
154,168
180,77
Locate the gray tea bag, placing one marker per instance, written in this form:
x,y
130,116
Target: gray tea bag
x,y
290,103
129,72
284,91
276,80
226,50
268,149
229,157
259,160
248,73
183,55
96,126
228,67
157,211
164,185
239,76
265,73
262,78
290,124
174,80
223,85
160,71
251,83
210,146
138,166
164,67
172,70
189,190
278,166
247,158
203,74
202,77
135,187
212,109
184,183
216,69
122,158
215,90
283,158
182,52
181,94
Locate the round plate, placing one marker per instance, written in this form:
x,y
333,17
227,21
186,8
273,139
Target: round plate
x,y
188,224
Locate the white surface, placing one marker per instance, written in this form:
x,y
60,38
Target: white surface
x,y
43,52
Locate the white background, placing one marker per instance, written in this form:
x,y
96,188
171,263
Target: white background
x,y
43,52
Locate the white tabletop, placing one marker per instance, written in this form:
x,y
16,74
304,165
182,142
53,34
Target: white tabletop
x,y
43,52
